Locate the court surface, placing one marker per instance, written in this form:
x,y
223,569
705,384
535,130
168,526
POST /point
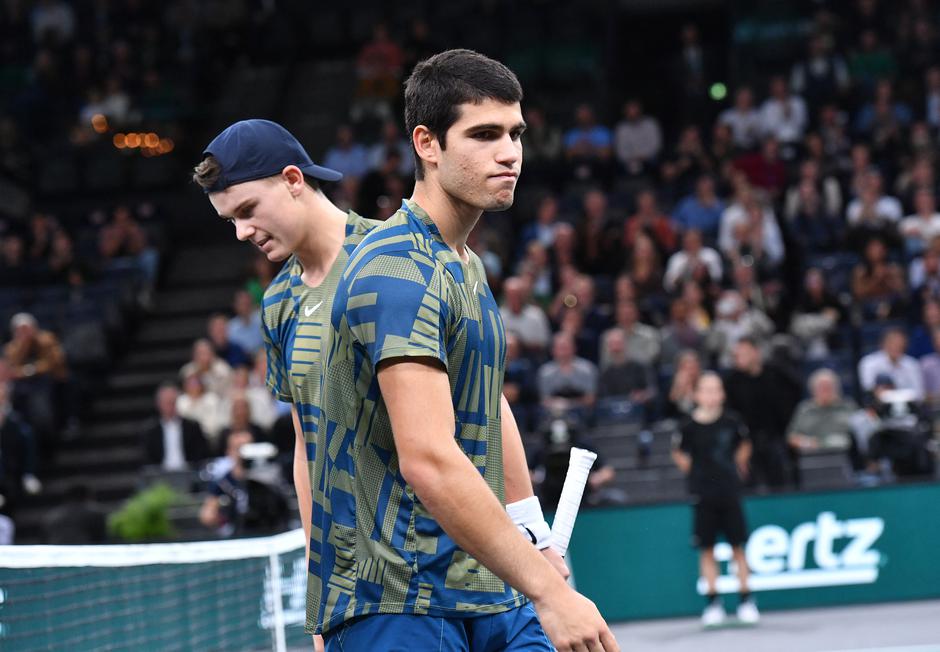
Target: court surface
x,y
897,627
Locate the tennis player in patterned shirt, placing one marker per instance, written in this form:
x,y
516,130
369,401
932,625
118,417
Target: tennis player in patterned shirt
x,y
416,550
259,178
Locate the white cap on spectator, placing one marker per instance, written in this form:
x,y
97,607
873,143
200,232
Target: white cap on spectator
x,y
22,319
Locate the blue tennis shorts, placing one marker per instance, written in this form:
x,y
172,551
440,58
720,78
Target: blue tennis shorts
x,y
515,630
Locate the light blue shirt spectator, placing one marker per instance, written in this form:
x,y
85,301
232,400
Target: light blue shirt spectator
x,y
347,156
692,213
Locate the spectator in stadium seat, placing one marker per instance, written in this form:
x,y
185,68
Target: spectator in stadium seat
x,y
878,284
735,321
567,384
873,212
817,314
871,62
744,119
391,138
224,508
693,262
172,442
822,76
643,341
765,397
811,226
346,155
588,146
624,378
379,67
203,407
765,169
920,173
225,349
722,149
681,399
536,270
827,191
883,119
783,115
599,250
262,405
244,329
649,219
586,340
679,334
891,361
542,228
236,411
214,374
702,210
637,139
380,183
40,373
525,319
700,310
123,237
822,421
645,268
688,160
923,225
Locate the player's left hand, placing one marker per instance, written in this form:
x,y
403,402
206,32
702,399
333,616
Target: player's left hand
x,y
557,562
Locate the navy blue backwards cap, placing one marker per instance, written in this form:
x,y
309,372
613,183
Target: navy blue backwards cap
x,y
256,149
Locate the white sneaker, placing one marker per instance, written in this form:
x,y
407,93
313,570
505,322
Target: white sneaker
x,y
714,615
748,613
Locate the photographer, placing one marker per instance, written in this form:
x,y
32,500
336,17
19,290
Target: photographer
x,y
891,435
245,494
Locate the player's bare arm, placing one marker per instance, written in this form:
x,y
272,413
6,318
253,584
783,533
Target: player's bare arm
x,y
443,478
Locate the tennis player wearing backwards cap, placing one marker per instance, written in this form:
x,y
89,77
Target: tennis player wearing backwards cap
x,y
258,177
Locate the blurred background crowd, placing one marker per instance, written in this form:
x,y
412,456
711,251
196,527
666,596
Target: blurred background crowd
x,y
750,189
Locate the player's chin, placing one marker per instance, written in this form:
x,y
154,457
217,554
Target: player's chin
x,y
501,201
276,255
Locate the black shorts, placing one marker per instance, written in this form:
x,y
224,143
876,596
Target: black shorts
x,y
718,515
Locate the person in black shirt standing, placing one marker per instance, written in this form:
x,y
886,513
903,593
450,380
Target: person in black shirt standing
x,y
713,450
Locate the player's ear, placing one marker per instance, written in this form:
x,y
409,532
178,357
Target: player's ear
x,y
294,179
426,144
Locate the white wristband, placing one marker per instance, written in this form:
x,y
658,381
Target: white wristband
x,y
527,515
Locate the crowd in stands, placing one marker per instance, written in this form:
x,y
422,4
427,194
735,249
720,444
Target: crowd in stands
x,y
789,240
68,292
788,236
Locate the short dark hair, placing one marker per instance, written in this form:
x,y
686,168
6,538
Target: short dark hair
x,y
439,85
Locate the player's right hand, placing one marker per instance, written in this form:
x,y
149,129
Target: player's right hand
x,y
574,624
557,562
317,643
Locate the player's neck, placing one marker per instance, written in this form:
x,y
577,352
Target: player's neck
x,y
325,228
706,415
454,219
